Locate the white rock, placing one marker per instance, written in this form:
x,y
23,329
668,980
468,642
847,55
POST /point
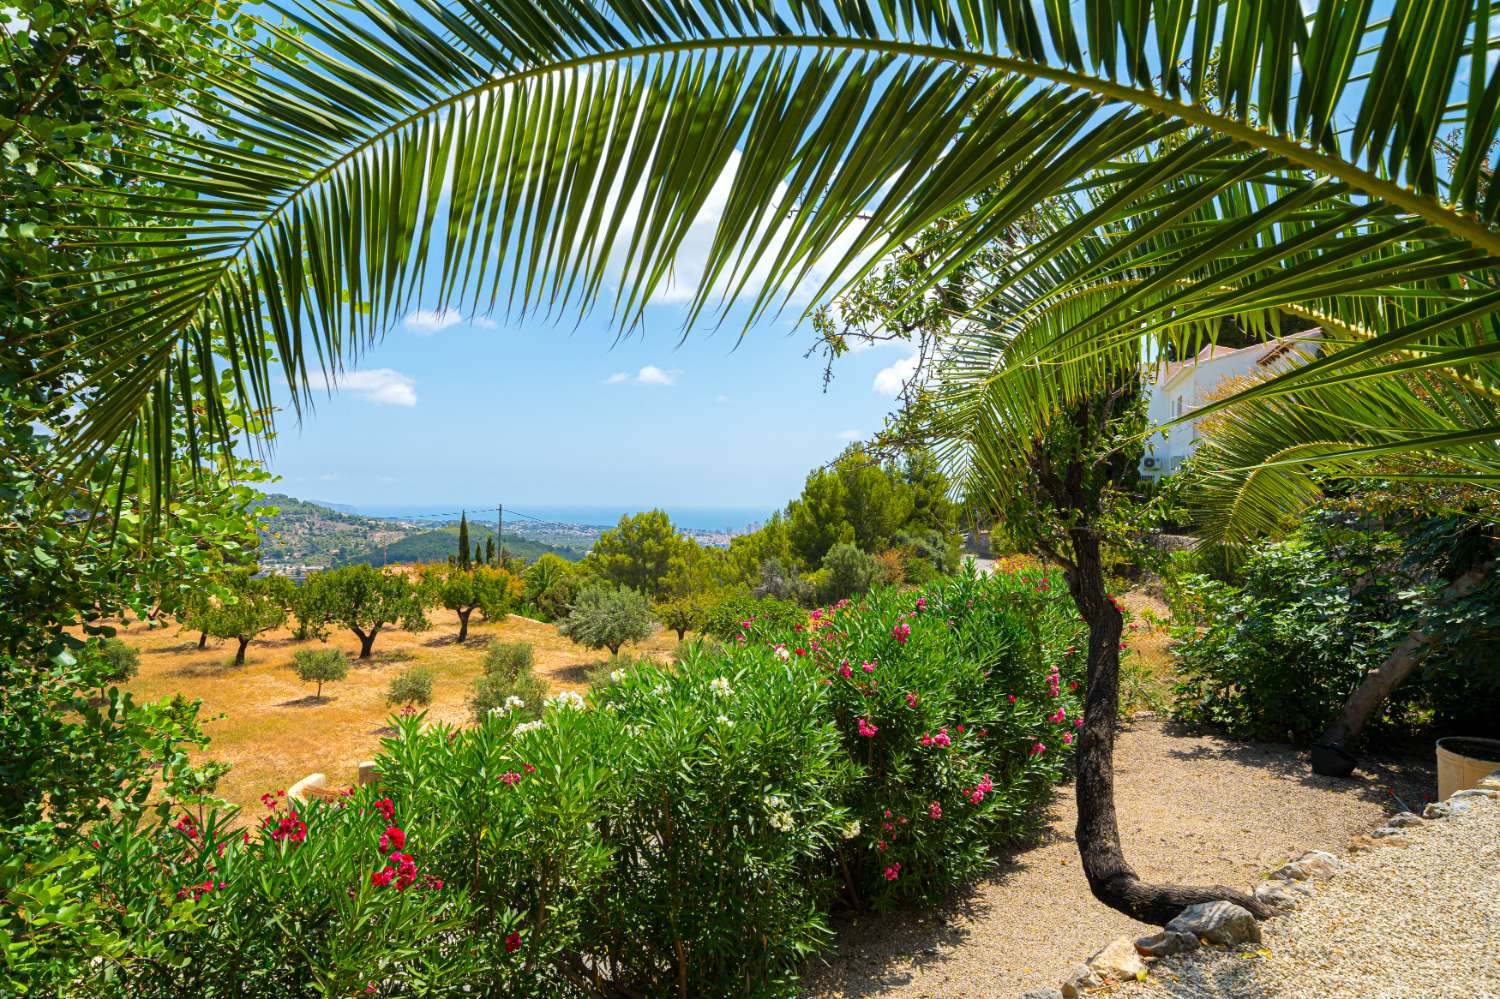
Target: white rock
x,y
1436,810
1278,894
1385,831
1472,793
1218,922
1079,980
1322,865
1293,871
1118,960
1048,993
1404,820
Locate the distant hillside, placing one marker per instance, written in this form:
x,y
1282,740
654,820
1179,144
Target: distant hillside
x,y
436,544
314,535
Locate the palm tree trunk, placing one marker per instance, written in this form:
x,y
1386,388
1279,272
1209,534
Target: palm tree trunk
x,y
1111,879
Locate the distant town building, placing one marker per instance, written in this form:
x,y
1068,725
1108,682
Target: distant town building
x,y
1180,387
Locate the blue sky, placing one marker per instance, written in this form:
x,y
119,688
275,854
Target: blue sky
x,y
452,410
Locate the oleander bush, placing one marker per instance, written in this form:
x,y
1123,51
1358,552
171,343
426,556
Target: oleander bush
x,y
681,829
743,618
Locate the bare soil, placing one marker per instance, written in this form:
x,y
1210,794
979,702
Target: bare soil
x,y
1192,809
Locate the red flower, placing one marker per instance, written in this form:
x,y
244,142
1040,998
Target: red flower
x,y
387,809
393,838
512,942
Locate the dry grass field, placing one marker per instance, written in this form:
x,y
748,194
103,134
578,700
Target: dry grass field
x,y
266,722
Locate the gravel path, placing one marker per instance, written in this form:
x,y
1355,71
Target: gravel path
x,y
1420,922
1191,809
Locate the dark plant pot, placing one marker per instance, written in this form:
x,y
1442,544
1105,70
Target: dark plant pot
x,y
1329,760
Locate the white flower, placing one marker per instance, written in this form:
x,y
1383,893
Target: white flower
x,y
775,801
720,687
617,675
782,653
568,699
781,821
525,727
512,703
659,691
851,830
724,720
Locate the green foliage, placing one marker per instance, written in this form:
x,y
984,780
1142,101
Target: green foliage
x,y
850,573
121,661
365,600
508,684
742,618
320,666
780,581
549,586
411,686
1274,653
681,613
250,607
491,590
601,618
638,553
463,542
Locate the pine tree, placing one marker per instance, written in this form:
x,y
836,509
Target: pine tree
x,y
463,541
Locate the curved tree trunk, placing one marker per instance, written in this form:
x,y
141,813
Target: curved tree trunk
x,y
1112,880
239,655
1398,665
366,642
203,640
463,623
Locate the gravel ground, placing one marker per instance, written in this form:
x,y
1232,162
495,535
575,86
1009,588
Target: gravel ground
x,y
1192,809
1420,922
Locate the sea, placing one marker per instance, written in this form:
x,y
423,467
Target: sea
x,y
732,519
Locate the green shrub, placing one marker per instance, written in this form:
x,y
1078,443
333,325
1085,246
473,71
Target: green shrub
x,y
606,619
320,666
746,618
412,686
509,659
508,685
121,661
850,573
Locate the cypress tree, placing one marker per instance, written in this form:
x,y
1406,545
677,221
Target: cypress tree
x,y
463,541
489,550
477,559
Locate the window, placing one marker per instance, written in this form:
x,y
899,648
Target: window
x,y
1179,407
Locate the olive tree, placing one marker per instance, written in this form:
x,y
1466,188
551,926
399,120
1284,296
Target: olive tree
x,y
366,600
606,619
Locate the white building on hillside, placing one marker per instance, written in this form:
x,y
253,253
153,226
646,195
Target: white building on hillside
x,y
1182,386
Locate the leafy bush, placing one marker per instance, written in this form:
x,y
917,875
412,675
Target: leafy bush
x,y
412,686
745,618
509,659
508,685
606,619
682,829
851,573
681,613
779,580
548,586
320,666
121,662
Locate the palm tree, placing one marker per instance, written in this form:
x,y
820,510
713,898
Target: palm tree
x,y
1214,160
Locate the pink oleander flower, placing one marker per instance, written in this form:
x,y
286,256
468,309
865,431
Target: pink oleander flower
x,y
934,810
512,942
868,667
1078,723
510,777
1067,738
911,700
1011,698
921,603
1058,716
393,838
902,632
866,729
845,671
893,872
1038,748
1072,684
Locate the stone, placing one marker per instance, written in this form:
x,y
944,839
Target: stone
x,y
1490,783
1293,871
369,773
1166,943
1359,844
1385,831
1079,981
1436,810
1217,922
1048,993
1278,895
1322,865
1472,793
1118,960
1404,820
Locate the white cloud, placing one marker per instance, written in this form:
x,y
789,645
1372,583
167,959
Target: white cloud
x,y
850,435
652,375
649,375
484,323
889,380
382,386
429,321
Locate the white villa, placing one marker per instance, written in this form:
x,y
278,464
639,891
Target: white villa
x,y
1182,386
